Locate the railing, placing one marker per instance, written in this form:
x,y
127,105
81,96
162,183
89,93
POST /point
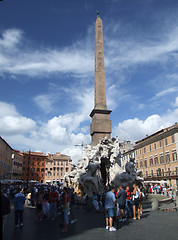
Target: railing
x,y
163,174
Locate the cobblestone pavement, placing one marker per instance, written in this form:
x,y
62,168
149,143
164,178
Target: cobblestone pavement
x,y
154,225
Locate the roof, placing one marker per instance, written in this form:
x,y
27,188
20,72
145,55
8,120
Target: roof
x,y
158,133
6,143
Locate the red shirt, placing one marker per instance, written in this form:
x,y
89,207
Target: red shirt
x,y
53,197
128,195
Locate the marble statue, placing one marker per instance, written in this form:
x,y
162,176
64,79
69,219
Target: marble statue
x,y
101,166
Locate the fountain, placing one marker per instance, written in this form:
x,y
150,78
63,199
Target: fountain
x,y
100,166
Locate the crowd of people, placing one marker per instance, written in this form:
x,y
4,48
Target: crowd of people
x,y
160,189
50,201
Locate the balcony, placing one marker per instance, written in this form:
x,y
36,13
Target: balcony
x,y
162,175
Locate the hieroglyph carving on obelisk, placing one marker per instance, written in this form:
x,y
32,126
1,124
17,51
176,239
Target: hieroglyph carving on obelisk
x,y
101,123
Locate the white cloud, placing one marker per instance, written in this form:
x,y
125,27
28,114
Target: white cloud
x,y
27,60
10,39
11,122
175,104
75,152
78,59
136,129
166,92
45,102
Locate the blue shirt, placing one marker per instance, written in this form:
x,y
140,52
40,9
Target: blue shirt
x,y
110,200
19,199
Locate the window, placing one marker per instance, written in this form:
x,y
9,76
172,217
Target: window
x,y
51,169
174,155
54,162
57,168
144,149
176,169
146,173
136,152
54,168
141,163
166,143
161,158
151,172
158,171
145,162
37,164
160,143
150,147
42,169
167,157
154,145
61,168
57,162
156,160
151,161
172,138
54,174
37,169
61,162
67,169
140,151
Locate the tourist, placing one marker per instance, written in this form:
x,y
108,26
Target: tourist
x,y
53,198
121,199
73,201
39,206
5,208
19,200
129,210
66,209
136,201
150,189
46,204
100,202
109,209
94,199
141,200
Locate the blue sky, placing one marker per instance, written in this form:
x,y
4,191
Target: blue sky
x,y
47,70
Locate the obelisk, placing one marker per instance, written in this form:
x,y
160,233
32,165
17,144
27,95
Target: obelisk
x,y
101,123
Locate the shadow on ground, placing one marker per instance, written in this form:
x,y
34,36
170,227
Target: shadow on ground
x,y
91,226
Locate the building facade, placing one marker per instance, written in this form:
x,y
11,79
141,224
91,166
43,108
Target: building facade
x,y
17,161
5,160
127,152
33,166
156,156
56,167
